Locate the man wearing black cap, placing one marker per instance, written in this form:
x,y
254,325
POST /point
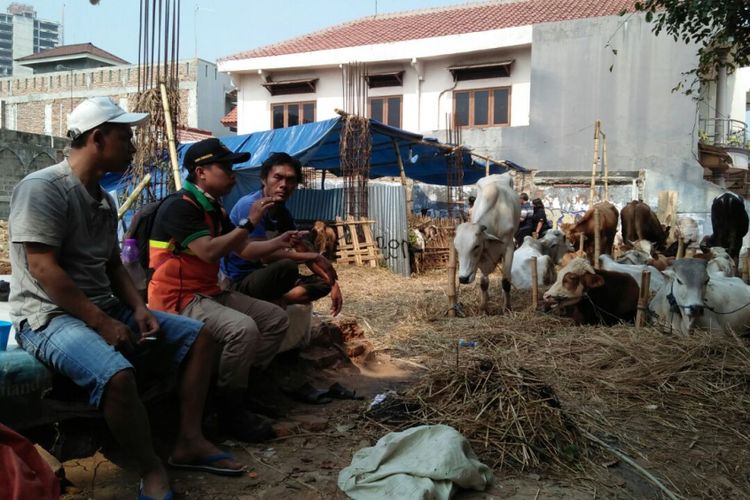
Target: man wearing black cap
x,y
191,234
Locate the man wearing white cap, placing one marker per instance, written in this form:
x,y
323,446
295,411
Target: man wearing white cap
x,y
76,309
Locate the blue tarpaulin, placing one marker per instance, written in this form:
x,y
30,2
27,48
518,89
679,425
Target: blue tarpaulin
x,y
317,145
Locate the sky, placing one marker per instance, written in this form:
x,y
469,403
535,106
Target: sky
x,y
224,27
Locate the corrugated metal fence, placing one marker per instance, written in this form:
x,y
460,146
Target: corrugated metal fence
x,y
387,207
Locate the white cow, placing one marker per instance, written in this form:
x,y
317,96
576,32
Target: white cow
x,y
548,250
721,263
691,297
635,270
488,238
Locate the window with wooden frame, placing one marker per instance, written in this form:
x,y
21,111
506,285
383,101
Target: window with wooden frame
x,y
386,110
288,114
482,107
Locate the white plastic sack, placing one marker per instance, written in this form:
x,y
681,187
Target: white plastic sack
x,y
425,462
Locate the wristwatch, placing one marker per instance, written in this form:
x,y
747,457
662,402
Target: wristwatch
x,y
246,224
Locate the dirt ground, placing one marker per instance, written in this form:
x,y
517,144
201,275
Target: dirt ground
x,y
400,317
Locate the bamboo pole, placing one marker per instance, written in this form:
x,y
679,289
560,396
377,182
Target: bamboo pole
x,y
170,137
402,172
680,248
596,161
643,297
597,238
133,196
534,284
451,281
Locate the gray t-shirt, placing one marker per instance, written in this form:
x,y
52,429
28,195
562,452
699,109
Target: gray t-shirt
x,y
52,207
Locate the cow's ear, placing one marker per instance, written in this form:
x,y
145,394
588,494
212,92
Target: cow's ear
x,y
592,280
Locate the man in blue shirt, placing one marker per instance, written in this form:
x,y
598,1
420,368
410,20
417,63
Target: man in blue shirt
x,y
276,277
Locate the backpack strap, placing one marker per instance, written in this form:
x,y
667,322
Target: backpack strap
x,y
176,247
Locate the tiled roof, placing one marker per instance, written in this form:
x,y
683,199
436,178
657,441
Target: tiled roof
x,y
230,120
190,134
75,49
443,21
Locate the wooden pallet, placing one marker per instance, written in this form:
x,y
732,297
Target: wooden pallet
x,y
356,246
438,242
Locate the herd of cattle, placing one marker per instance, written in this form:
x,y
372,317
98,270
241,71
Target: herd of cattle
x,y
700,291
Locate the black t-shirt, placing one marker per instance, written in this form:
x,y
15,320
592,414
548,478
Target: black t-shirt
x,y
540,215
185,221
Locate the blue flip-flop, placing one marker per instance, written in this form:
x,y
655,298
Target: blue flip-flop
x,y
207,464
168,496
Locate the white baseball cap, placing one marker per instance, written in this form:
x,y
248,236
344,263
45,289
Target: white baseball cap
x,y
97,110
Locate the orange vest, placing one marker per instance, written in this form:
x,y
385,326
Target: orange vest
x,y
179,274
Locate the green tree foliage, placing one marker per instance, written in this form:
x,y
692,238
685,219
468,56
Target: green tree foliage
x,y
715,25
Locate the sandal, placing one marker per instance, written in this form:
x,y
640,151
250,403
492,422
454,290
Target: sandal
x,y
338,391
306,393
168,496
208,464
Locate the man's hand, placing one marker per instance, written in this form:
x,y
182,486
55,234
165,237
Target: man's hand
x,y
337,300
260,206
288,239
148,325
117,334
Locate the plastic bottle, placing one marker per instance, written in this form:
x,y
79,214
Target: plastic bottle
x,y
131,261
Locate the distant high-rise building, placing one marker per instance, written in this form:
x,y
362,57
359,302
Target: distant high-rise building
x,y
22,34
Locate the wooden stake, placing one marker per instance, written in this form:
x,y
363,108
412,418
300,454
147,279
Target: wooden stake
x,y
534,284
596,161
133,196
643,298
581,238
597,238
680,248
606,168
451,281
170,137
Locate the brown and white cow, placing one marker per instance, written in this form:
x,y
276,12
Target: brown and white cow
x,y
593,296
608,221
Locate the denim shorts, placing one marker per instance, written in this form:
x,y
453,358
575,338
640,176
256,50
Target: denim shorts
x,y
71,348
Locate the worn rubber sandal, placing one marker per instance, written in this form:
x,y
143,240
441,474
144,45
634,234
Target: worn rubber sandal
x,y
168,496
338,391
207,464
306,393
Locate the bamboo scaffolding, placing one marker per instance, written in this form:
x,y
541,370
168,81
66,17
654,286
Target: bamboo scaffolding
x,y
170,138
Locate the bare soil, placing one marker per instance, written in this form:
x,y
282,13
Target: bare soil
x,y
402,318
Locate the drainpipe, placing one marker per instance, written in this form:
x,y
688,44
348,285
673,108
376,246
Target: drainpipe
x,y
722,101
418,68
